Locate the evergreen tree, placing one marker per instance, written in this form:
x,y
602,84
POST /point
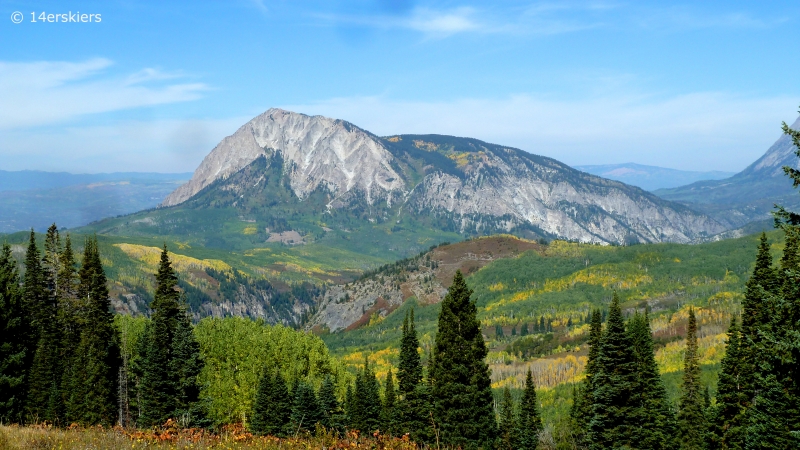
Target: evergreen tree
x,y
306,412
389,412
771,348
460,378
530,421
413,403
71,307
51,263
728,426
542,327
409,371
498,332
613,384
691,417
350,404
581,412
272,407
170,358
263,407
524,330
185,367
15,329
92,394
332,414
365,413
44,396
508,426
773,419
652,419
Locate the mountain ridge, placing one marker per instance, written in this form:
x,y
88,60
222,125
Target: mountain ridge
x,y
651,178
470,184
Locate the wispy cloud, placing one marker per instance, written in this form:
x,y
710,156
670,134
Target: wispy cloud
x,y
48,92
443,22
547,18
708,130
430,22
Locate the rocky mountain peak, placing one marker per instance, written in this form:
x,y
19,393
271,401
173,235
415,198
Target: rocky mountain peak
x,y
320,151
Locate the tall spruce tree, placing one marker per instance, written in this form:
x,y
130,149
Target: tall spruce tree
x,y
653,426
92,394
728,418
332,413
272,407
413,403
581,411
613,403
306,412
365,412
409,371
44,400
349,404
186,365
15,331
72,314
773,419
261,418
389,412
508,426
691,415
170,360
460,378
530,422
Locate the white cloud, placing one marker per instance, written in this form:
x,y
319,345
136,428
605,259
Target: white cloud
x,y
428,21
701,131
48,92
443,22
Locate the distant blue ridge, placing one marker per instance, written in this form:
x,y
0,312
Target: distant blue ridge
x,y
24,180
651,178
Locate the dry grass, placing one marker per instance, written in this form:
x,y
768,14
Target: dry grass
x,y
170,437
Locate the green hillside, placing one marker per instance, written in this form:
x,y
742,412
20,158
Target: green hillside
x,y
274,277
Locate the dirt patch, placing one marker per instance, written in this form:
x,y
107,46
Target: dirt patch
x,y
290,237
470,256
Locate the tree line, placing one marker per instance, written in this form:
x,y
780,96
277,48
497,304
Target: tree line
x,y
60,359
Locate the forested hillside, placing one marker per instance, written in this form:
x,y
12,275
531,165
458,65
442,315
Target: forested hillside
x,y
535,306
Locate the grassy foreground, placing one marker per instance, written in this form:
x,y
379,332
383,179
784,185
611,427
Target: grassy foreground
x,y
169,437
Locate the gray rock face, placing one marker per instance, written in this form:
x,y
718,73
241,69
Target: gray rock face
x,y
319,150
559,207
478,186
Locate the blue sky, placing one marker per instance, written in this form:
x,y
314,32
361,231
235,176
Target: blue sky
x,y
153,87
